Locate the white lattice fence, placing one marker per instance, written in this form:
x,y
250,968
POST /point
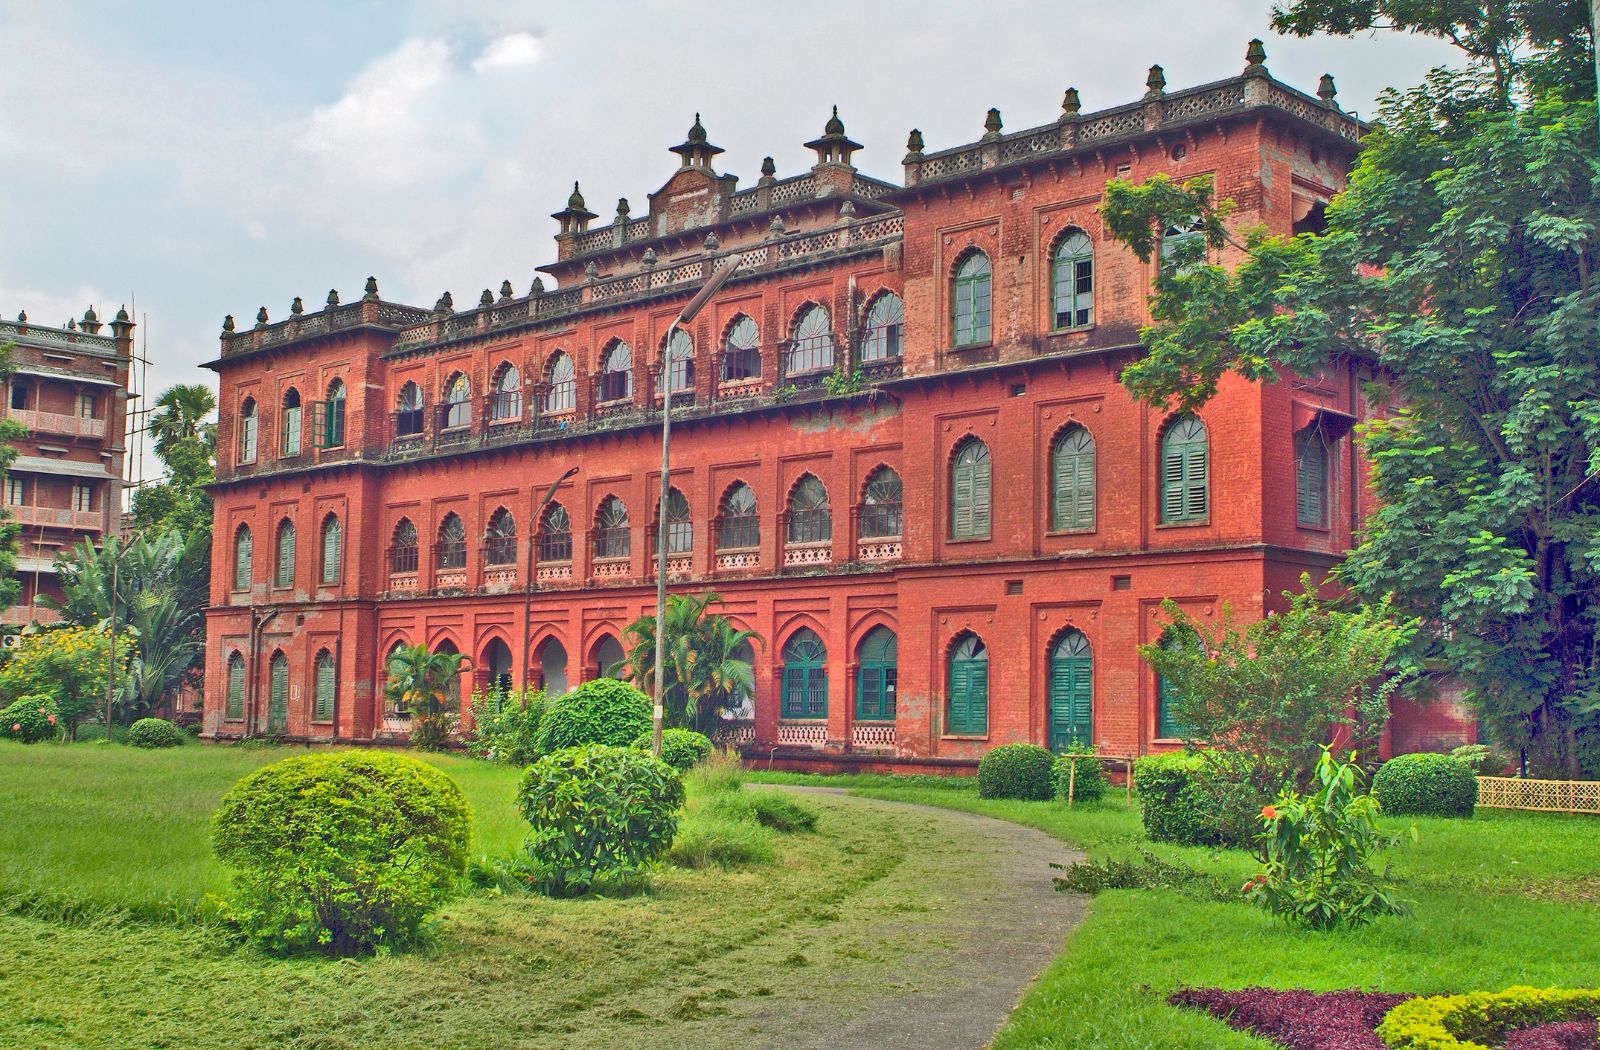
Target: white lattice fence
x,y
1557,796
803,734
872,735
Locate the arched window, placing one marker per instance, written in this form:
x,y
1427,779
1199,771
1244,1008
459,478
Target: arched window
x,y
1072,281
880,339
611,529
500,542
235,699
451,552
969,491
497,663
403,548
740,527
1072,480
327,685
248,430
555,536
332,549
741,351
680,362
1183,244
880,505
805,676
810,517
284,577
877,662
609,657
680,529
506,403
408,411
278,695
1071,692
243,551
1311,478
391,699
811,348
970,295
457,402
1184,472
1169,724
291,423
967,711
616,373
553,667
562,394
331,433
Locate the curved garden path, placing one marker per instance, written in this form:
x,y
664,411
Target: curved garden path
x,y
950,939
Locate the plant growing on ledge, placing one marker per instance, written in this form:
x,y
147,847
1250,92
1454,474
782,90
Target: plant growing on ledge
x,y
842,380
425,683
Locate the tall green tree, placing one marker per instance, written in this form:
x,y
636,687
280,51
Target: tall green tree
x,y
186,445
1460,262
180,415
703,675
10,531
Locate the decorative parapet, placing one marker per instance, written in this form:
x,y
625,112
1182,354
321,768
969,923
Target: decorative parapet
x,y
804,554
23,333
872,736
879,550
333,318
803,734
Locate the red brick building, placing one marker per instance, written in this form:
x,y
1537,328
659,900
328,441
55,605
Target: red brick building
x,y
902,454
70,389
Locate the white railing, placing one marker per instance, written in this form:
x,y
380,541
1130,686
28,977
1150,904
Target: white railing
x,y
803,734
872,735
731,561
878,550
808,554
735,733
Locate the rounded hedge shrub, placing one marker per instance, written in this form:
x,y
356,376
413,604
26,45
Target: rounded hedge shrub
x,y
682,749
1024,771
1477,1019
154,732
1426,785
341,852
1172,804
599,815
29,719
1089,783
600,711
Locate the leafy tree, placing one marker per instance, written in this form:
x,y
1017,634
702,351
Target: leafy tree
x,y
70,666
703,677
10,531
426,684
1461,261
180,415
187,447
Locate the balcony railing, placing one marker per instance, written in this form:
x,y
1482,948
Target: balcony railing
x,y
59,423
59,517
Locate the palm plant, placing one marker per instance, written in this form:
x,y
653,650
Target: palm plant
x,y
702,674
424,683
167,650
180,415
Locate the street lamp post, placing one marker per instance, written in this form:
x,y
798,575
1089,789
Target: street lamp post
x,y
687,315
527,584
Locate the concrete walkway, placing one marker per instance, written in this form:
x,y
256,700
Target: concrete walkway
x,y
954,961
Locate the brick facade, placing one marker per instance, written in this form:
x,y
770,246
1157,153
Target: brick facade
x,y
833,238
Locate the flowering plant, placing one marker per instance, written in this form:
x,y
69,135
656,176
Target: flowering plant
x,y
30,719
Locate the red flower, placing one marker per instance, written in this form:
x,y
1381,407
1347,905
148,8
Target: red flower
x,y
51,719
16,727
1269,812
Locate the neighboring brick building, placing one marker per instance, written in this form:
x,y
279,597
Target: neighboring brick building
x,y
955,540
70,389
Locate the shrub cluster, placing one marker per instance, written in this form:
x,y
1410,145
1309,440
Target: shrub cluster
x,y
1085,778
600,815
1426,785
341,852
682,749
1149,872
1463,1022
1025,771
1295,1018
154,732
508,732
1172,803
29,720
600,711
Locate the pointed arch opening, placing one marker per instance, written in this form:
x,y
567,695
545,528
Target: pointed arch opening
x,y
739,526
403,547
243,558
679,356
500,539
679,525
805,676
970,497
325,687
283,575
505,398
332,549
612,529
1185,472
249,430
234,701
561,384
1072,281
970,294
741,351
877,668
555,535
291,423
1072,480
616,372
455,413
1071,677
278,694
408,414
881,505
967,698
811,346
883,332
450,552
810,515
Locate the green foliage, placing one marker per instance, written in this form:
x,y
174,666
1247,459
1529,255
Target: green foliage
x,y
69,664
1172,804
600,815
779,811
842,380
506,728
682,749
724,771
10,531
1486,760
432,732
29,720
600,711
1426,785
427,685
1085,777
153,733
341,852
1149,872
1024,771
1478,1020
1320,850
722,837
703,676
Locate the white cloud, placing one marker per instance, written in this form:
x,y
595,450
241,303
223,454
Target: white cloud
x,y
509,52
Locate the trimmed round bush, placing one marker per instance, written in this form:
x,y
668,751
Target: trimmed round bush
x,y
1172,804
1089,783
341,852
600,711
1474,1020
682,749
599,815
1426,785
1024,771
154,732
29,720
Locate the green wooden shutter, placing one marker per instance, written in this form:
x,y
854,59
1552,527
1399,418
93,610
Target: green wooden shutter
x,y
1311,480
235,687
970,492
278,701
1071,702
1196,475
319,424
961,501
326,683
242,547
285,576
980,494
1185,472
969,698
1072,481
332,550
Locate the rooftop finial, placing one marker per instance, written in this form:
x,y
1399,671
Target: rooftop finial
x,y
711,242
1070,103
622,210
227,323
914,141
72,326
486,299
1255,59
769,170
122,313
371,290
536,289
90,316
1325,89
446,304
297,307
1156,82
575,201
505,290
992,125
333,298
261,317
697,131
22,317
835,126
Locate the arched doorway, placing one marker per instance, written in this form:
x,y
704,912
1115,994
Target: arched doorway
x,y
497,670
452,696
1071,692
553,667
607,655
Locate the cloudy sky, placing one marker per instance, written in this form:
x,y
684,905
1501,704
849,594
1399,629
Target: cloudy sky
x,y
204,158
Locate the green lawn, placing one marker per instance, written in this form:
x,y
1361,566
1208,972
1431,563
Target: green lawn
x,y
1499,899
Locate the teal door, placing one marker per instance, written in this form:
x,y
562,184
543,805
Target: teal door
x,y
1071,692
278,696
